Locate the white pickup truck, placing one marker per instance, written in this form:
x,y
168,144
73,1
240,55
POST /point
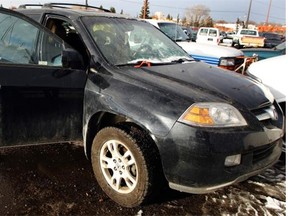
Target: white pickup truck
x,y
248,38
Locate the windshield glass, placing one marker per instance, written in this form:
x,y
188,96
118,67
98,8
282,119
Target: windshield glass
x,y
174,31
128,41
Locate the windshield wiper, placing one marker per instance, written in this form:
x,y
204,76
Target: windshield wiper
x,y
143,63
147,63
181,60
138,64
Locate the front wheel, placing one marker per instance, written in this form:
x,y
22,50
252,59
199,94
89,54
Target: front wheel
x,y
124,166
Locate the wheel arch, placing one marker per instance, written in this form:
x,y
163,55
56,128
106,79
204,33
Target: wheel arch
x,y
104,119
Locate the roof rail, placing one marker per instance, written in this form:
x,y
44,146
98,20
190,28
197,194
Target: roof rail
x,y
30,5
63,5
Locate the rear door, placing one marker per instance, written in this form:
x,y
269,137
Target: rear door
x,y
40,100
208,36
213,36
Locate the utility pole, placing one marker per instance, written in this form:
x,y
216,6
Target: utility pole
x,y
268,13
144,9
248,15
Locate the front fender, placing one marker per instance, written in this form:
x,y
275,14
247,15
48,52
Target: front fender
x,y
144,110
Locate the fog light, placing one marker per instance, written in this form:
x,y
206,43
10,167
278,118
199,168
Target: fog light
x,y
233,160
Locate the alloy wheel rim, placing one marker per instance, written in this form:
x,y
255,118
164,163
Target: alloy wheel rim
x,y
118,166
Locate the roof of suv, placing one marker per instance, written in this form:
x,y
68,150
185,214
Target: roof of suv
x,y
72,10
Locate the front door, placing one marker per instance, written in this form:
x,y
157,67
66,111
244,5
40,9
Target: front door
x,y
40,100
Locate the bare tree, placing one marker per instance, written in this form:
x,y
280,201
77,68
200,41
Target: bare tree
x,y
197,14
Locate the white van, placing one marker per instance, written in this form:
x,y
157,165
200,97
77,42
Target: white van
x,y
208,35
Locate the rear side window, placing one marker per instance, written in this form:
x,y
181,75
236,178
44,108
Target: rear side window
x,y
17,40
23,43
203,31
213,32
248,32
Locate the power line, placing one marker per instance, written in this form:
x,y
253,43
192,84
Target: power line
x,y
262,15
273,5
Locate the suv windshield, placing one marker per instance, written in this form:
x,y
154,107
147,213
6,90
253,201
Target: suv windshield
x,y
127,41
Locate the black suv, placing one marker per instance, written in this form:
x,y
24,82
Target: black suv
x,y
146,112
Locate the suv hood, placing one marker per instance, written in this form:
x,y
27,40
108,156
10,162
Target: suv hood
x,y
198,81
209,50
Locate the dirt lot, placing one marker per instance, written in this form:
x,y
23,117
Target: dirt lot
x,y
58,180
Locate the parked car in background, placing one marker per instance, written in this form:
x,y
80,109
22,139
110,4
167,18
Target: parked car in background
x,y
271,39
247,38
208,35
147,113
264,71
192,34
264,53
224,57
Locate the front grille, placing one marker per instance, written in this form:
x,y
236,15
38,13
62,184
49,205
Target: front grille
x,y
266,115
263,152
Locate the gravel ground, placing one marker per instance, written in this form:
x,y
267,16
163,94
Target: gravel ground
x,y
58,180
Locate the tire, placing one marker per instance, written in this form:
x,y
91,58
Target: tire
x,y
124,166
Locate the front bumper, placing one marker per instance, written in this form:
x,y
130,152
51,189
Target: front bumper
x,y
193,159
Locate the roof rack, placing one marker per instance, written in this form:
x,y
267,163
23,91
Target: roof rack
x,y
30,5
62,5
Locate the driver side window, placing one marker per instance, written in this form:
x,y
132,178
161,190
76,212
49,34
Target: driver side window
x,y
19,43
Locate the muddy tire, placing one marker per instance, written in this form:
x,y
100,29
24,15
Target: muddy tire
x,y
125,165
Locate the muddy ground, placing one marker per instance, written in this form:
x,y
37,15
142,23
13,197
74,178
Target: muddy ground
x,y
58,180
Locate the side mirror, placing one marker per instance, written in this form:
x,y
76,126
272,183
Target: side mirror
x,y
72,59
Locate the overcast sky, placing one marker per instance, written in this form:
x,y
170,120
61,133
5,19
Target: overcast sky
x,y
228,10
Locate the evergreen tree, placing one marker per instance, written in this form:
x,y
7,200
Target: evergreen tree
x,y
112,9
184,21
169,17
144,14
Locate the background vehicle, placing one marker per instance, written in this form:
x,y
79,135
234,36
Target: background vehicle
x,y
265,71
247,38
271,39
224,57
264,53
208,35
148,113
192,34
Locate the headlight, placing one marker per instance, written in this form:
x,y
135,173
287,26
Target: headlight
x,y
213,115
227,62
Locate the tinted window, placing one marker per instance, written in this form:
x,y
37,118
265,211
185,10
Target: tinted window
x,y
19,43
17,40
